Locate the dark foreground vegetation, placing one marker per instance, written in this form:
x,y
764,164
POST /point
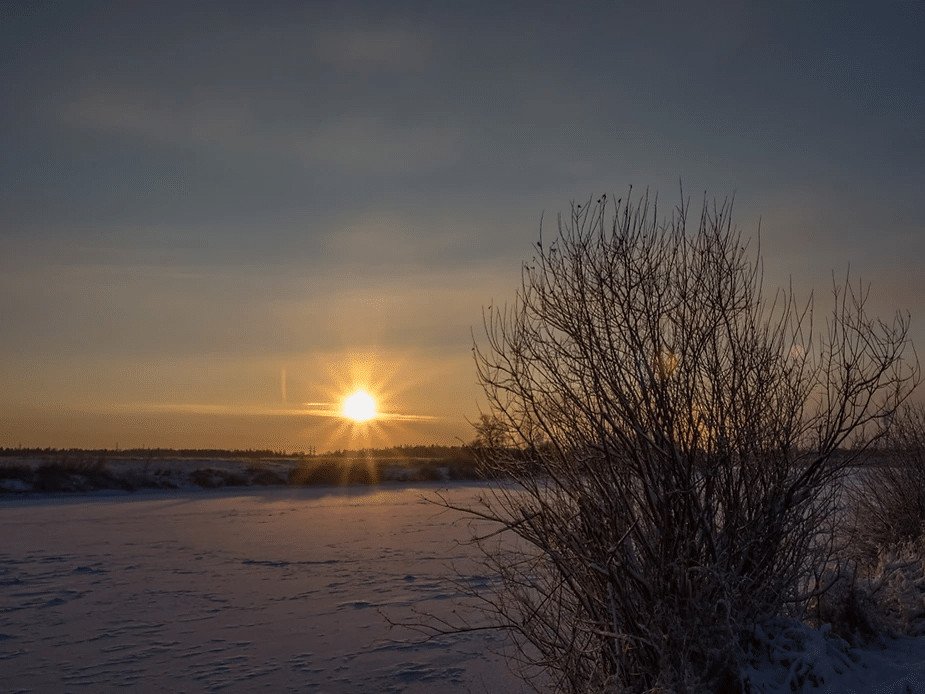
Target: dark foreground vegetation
x,y
689,483
75,470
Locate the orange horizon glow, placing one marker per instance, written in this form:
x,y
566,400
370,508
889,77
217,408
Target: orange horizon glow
x,y
294,404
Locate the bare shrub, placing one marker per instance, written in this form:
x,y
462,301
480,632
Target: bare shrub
x,y
849,608
333,472
16,471
262,475
885,532
211,478
80,471
672,443
889,499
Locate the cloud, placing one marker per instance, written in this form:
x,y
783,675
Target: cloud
x,y
359,144
150,115
369,145
374,50
391,240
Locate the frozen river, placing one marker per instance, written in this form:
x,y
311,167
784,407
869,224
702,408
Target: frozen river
x,y
276,590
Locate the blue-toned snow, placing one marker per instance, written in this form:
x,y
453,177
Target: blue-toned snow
x,y
285,590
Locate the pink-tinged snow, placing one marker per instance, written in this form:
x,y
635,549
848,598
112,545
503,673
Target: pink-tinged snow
x,y
258,590
283,589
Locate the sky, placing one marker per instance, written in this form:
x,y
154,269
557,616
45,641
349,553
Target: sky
x,y
217,219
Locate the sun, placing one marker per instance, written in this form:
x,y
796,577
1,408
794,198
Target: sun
x,y
360,406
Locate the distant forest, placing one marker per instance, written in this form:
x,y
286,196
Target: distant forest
x,y
391,453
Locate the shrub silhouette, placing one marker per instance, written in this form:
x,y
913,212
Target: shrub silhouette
x,y
211,478
675,438
327,472
79,472
263,476
889,502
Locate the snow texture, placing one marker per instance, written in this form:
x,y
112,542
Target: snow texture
x,y
285,590
276,590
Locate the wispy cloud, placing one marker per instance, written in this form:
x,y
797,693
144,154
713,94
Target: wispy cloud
x,y
239,410
375,49
393,239
352,143
369,144
148,114
308,409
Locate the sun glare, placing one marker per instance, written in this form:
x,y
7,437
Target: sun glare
x,y
360,406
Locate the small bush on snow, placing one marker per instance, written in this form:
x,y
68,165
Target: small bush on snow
x,y
873,600
787,655
889,502
896,585
847,608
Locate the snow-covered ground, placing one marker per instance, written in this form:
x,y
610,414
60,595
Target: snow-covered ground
x,y
276,590
284,589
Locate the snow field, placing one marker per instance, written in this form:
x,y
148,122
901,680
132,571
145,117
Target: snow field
x,y
279,589
286,589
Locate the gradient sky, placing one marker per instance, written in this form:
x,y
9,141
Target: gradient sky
x,y
218,218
